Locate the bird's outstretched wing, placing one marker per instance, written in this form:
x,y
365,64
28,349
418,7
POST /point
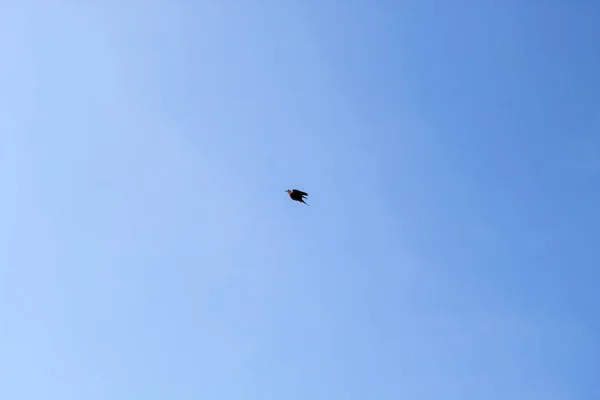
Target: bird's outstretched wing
x,y
300,192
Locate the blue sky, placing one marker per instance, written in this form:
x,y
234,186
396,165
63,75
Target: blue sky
x,y
149,251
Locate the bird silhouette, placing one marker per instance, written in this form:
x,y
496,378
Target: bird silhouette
x,y
297,195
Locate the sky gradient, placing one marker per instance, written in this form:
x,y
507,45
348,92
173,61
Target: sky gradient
x,y
149,251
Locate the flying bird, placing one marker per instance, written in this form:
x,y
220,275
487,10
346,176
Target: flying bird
x,y
297,195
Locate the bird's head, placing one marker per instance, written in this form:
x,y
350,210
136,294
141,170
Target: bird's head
x,y
288,191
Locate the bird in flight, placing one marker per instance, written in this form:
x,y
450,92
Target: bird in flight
x,y
297,195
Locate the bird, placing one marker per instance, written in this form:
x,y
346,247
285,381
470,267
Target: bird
x,y
297,195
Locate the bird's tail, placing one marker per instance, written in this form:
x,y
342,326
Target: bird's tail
x,y
304,201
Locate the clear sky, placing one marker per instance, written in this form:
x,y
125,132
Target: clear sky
x,y
450,249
